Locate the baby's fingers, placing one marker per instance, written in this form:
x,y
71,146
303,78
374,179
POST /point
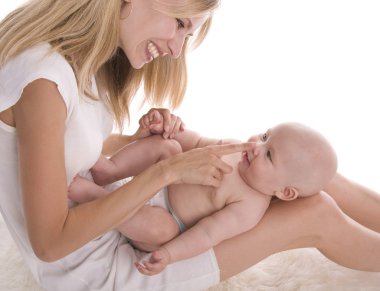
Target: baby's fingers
x,y
154,117
144,121
148,269
142,269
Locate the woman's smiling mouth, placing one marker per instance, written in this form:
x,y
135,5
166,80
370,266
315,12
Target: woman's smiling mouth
x,y
153,50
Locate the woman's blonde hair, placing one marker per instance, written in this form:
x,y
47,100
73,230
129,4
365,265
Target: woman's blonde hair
x,y
86,33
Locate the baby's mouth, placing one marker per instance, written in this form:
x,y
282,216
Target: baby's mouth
x,y
246,158
152,48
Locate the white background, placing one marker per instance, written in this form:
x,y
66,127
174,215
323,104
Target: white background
x,y
265,62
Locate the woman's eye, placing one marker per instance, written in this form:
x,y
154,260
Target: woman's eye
x,y
180,23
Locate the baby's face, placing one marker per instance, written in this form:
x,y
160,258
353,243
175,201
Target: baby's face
x,y
276,160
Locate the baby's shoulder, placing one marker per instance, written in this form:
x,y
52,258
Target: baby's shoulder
x,y
234,189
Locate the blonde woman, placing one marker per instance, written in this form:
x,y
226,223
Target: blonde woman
x,y
68,69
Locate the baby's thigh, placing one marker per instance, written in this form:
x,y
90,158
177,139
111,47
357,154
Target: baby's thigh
x,y
151,224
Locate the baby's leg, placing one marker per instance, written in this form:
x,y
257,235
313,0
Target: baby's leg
x,y
149,228
82,190
104,171
132,159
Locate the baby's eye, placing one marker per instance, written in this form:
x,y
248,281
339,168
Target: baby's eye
x,y
180,23
264,137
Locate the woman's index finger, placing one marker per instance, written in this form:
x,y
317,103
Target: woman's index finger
x,y
227,149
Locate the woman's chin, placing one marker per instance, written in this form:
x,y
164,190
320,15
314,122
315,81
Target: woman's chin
x,y
138,65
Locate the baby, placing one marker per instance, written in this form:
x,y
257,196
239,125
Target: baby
x,y
288,161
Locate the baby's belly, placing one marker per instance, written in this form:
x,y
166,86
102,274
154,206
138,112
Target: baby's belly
x,y
193,202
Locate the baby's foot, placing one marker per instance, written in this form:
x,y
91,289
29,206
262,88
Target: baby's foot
x,y
83,190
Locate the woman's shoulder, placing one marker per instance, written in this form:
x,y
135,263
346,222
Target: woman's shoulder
x,y
37,56
37,62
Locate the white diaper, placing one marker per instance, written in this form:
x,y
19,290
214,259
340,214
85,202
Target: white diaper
x,y
161,199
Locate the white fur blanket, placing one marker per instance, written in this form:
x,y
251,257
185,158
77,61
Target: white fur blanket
x,y
304,269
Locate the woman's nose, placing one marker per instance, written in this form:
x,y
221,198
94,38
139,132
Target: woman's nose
x,y
176,45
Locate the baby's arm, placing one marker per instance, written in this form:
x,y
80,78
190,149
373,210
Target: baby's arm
x,y
188,139
235,218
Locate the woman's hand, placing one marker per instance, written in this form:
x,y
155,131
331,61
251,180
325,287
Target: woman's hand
x,y
202,166
161,121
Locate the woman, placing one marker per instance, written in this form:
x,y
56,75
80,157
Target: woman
x,y
68,68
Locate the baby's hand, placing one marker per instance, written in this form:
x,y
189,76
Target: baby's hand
x,y
150,123
161,121
153,120
156,263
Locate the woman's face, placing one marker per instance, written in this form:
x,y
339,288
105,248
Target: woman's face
x,y
146,34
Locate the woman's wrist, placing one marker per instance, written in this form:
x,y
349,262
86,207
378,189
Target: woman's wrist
x,y
165,171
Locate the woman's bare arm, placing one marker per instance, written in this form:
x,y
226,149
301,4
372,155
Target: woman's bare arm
x,y
315,221
54,229
359,202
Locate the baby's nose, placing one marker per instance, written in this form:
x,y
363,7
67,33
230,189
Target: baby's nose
x,y
257,150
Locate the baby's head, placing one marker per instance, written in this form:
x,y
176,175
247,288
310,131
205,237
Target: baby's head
x,y
290,160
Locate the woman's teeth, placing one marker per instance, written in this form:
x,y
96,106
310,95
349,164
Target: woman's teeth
x,y
153,50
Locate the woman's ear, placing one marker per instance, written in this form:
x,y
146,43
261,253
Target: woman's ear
x,y
287,194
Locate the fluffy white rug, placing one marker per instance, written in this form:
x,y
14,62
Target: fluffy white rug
x,y
304,269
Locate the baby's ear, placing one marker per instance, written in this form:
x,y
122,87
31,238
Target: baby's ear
x,y
287,194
